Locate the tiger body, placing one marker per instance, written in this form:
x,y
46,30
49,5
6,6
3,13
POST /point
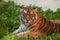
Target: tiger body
x,y
35,24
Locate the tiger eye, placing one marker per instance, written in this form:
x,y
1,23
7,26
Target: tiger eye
x,y
25,11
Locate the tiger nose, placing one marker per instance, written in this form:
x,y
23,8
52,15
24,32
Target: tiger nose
x,y
28,17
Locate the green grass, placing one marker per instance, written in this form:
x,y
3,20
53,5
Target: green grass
x,y
9,17
54,36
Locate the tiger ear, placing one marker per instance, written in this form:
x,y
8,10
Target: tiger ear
x,y
21,8
35,8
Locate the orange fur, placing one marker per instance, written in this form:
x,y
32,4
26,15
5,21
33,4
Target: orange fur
x,y
42,26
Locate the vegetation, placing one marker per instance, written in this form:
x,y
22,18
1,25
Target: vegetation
x,y
9,21
55,36
49,14
9,17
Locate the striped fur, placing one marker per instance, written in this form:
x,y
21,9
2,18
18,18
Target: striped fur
x,y
37,24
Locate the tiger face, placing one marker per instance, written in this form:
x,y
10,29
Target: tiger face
x,y
27,16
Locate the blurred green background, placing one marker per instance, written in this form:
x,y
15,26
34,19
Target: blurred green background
x,y
9,17
10,21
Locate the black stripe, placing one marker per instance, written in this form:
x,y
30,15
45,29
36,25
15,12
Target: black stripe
x,y
54,27
49,32
43,23
51,25
48,25
46,28
59,27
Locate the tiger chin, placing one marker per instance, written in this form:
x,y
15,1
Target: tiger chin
x,y
33,23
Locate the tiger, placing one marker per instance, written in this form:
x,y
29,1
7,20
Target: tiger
x,y
35,24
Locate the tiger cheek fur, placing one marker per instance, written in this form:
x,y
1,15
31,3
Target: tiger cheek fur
x,y
40,25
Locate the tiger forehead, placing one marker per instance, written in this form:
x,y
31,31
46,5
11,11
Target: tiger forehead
x,y
27,10
23,10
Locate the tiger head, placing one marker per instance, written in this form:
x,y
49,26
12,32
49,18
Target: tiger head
x,y
28,15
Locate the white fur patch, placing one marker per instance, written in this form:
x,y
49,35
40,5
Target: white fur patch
x,y
25,11
22,28
23,32
21,10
